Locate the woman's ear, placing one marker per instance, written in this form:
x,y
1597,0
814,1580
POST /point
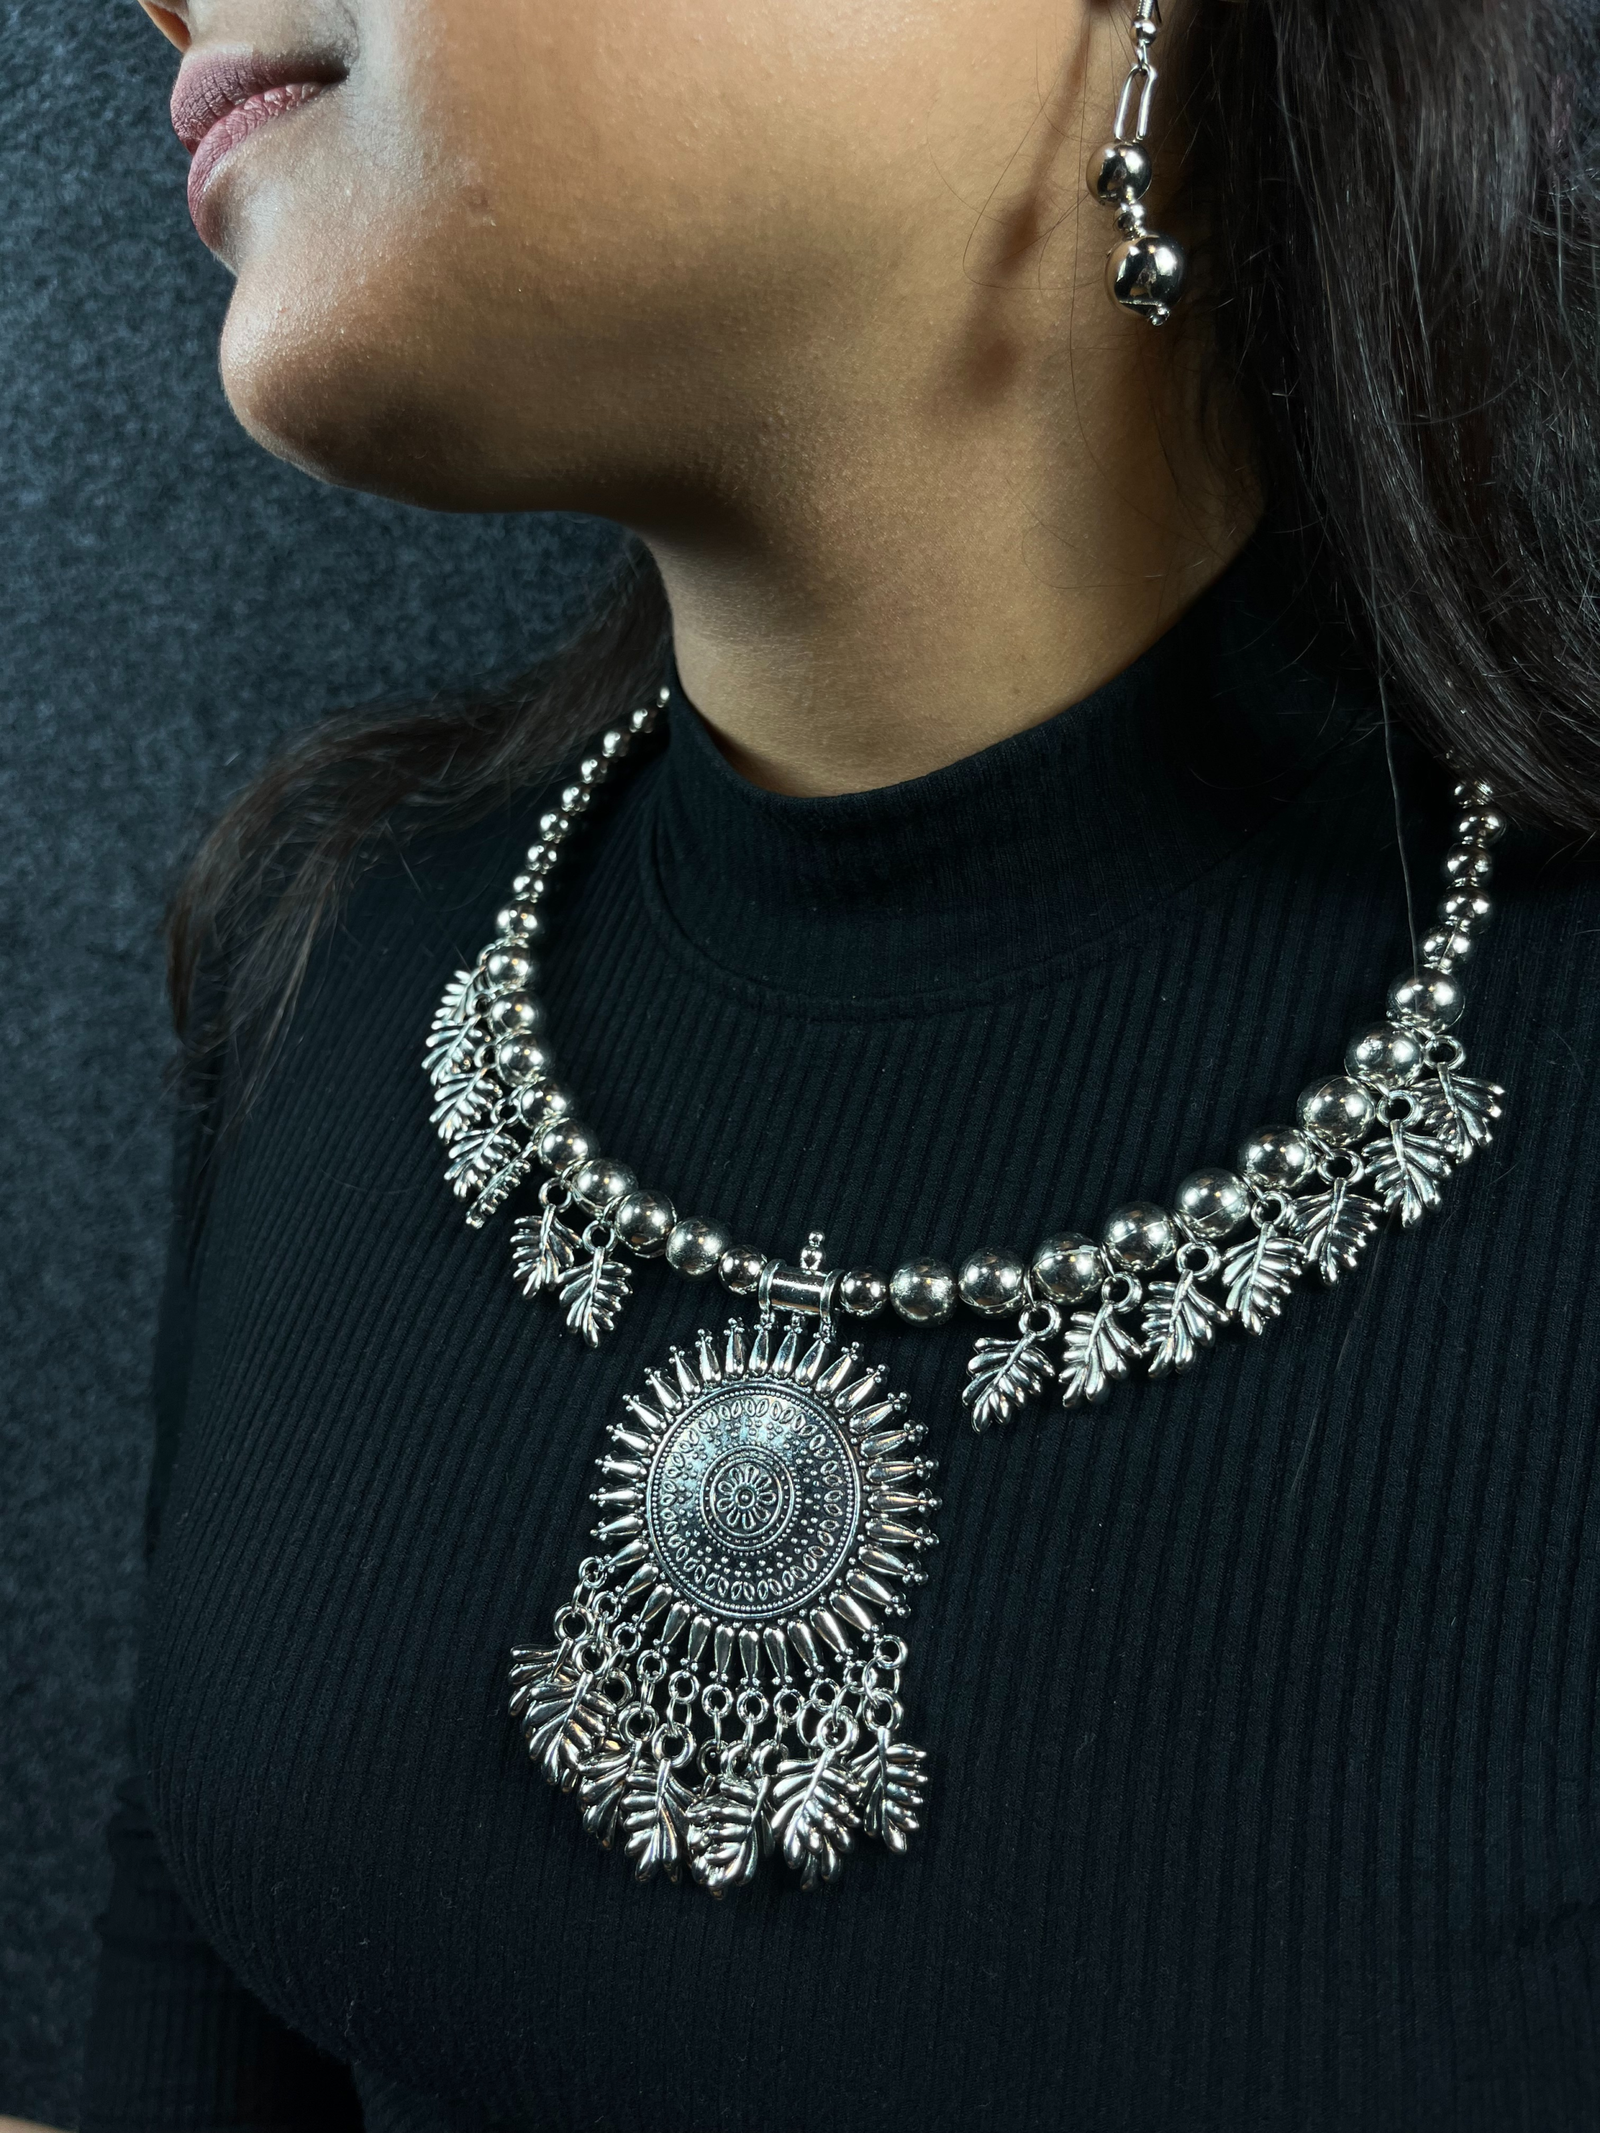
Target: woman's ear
x,y
169,22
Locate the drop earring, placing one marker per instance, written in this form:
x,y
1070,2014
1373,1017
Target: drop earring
x,y
1144,271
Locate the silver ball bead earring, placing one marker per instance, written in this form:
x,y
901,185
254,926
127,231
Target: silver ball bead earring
x,y
1144,271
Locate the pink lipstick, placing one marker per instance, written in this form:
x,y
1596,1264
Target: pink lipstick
x,y
221,98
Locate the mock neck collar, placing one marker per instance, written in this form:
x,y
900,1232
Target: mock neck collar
x,y
1031,848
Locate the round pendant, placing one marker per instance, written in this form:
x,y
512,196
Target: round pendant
x,y
726,1679
753,1503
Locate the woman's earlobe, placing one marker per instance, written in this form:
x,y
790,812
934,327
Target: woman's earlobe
x,y
169,22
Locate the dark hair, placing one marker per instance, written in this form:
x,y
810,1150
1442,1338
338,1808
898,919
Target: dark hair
x,y
1401,274
276,867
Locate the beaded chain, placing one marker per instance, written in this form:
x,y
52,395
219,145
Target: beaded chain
x,y
1153,1291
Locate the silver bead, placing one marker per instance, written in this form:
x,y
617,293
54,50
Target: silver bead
x,y
1466,910
1336,1110
694,1247
1428,997
1119,171
574,799
519,921
553,826
1385,1052
541,1103
615,742
508,966
1474,792
923,1291
1443,949
521,1058
1145,274
991,1281
516,1014
562,1145
1486,825
593,770
644,719
600,1183
1067,1267
1277,1159
1468,868
1212,1203
741,1271
644,1222
1139,1236
541,860
863,1291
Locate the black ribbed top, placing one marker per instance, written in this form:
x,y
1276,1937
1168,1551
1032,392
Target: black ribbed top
x,y
1261,1702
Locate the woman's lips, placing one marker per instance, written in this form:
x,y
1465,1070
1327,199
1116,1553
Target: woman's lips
x,y
220,99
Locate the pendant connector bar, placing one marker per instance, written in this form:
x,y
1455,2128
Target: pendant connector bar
x,y
793,1288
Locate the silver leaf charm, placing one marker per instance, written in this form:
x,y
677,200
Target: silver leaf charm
x,y
655,1809
730,1832
594,1293
1004,1373
1097,1352
890,1778
452,1050
602,1783
1258,1275
498,1187
813,1817
564,1721
1461,1111
476,1156
529,1665
463,1100
1179,1317
1406,1166
544,1250
1339,1225
458,1005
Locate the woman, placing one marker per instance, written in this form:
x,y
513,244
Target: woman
x,y
1080,712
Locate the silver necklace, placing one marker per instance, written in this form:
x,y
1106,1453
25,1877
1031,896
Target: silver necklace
x,y
725,1680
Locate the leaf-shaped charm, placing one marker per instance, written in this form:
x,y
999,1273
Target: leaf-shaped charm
x,y
476,1155
1258,1274
529,1664
563,1721
1406,1167
1179,1320
458,1004
1339,1224
890,1778
544,1250
499,1186
1461,1111
812,1815
729,1833
602,1783
452,1050
1003,1375
1097,1351
594,1294
655,1808
463,1100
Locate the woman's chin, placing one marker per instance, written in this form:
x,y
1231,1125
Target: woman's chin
x,y
320,387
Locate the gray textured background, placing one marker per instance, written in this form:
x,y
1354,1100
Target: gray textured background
x,y
172,603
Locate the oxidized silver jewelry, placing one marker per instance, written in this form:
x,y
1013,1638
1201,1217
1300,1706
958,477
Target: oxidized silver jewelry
x,y
725,1681
765,1504
1144,271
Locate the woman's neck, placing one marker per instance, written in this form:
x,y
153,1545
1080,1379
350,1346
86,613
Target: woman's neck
x,y
905,580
